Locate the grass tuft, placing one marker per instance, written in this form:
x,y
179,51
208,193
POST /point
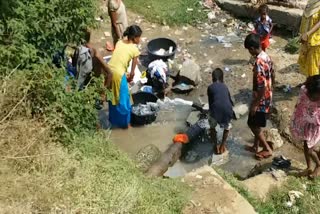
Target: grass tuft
x,y
168,12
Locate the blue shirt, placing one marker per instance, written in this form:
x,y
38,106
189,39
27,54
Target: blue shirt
x,y
263,29
220,103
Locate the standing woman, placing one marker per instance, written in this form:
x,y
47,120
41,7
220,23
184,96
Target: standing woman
x,y
119,22
125,51
309,58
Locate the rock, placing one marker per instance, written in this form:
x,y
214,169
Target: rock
x,y
208,70
288,17
107,34
212,194
165,28
211,15
147,156
193,118
240,110
273,136
262,184
191,71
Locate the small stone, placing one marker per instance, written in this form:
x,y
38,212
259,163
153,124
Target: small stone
x,y
185,28
165,28
153,26
198,176
107,34
178,32
210,62
211,15
148,6
208,70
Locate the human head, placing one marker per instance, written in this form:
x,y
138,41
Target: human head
x,y
133,33
252,43
313,87
217,75
263,11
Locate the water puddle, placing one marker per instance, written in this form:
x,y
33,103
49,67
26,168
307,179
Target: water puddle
x,y
237,160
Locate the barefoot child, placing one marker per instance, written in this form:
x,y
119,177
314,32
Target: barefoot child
x,y
305,124
264,26
220,108
262,95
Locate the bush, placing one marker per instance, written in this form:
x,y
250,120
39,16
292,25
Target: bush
x,y
32,30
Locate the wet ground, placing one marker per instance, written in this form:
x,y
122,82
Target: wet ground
x,y
202,46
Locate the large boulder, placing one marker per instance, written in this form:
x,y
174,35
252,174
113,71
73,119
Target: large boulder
x,y
147,156
191,71
273,136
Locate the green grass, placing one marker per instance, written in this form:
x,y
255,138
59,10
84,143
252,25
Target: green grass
x,y
293,46
168,11
276,200
91,176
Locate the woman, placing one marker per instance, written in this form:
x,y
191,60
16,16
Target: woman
x,y
125,51
119,22
309,58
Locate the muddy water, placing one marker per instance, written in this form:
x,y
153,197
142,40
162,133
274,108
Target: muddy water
x,y
237,160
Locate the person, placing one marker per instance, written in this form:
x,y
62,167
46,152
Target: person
x,y
118,16
309,57
220,108
125,51
262,95
264,26
86,59
305,123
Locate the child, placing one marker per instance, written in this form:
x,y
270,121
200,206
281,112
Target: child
x,y
305,123
262,95
220,108
264,26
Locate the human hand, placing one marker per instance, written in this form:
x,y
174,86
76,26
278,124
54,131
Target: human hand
x,y
304,37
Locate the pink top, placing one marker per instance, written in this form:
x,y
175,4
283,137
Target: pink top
x,y
305,124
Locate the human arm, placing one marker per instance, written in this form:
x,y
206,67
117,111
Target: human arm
x,y
133,68
105,69
259,89
304,37
231,101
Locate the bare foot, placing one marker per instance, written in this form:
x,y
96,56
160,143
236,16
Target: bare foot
x,y
315,173
217,149
222,149
253,149
305,173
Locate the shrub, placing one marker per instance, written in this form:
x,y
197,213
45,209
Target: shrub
x,y
32,30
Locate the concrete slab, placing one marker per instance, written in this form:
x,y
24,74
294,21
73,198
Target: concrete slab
x,y
212,194
287,17
261,185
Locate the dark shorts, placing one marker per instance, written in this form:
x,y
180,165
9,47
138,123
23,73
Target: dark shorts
x,y
258,120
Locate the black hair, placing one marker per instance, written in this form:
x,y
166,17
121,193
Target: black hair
x,y
313,85
263,8
132,32
252,41
217,75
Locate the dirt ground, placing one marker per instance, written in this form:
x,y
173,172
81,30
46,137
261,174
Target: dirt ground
x,y
199,43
